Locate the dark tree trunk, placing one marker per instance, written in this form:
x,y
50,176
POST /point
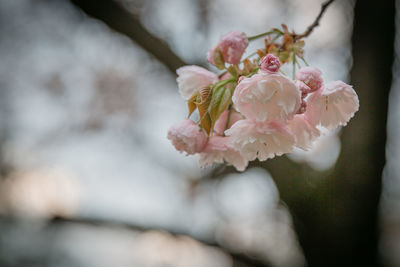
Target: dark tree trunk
x,y
337,217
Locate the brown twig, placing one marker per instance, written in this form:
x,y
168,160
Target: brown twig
x,y
310,28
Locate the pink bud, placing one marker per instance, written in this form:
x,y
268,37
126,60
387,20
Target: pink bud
x,y
241,78
232,46
270,63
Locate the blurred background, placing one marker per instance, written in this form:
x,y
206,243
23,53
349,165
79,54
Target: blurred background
x,y
88,178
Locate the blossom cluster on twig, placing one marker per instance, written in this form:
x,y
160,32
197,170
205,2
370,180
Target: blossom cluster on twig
x,y
254,110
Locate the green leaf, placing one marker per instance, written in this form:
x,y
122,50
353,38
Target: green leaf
x,y
220,100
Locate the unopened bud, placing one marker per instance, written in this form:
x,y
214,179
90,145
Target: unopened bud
x,y
270,63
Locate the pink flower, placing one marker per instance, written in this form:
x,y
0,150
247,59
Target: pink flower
x,y
220,124
192,78
333,105
267,97
232,46
270,64
304,132
312,77
187,137
219,150
262,140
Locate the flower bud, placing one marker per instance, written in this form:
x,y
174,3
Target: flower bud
x,y
270,64
231,46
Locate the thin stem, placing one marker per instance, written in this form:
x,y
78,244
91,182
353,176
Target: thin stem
x,y
310,28
224,82
305,62
254,37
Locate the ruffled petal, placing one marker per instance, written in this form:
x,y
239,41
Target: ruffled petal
x,y
267,97
333,105
305,133
219,150
262,140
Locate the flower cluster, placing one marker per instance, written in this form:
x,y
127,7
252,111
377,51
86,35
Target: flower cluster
x,y
253,110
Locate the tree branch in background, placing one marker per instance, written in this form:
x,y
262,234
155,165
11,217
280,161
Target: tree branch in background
x,y
310,28
295,36
240,259
120,20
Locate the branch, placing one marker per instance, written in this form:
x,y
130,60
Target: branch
x,y
120,20
310,28
295,36
240,258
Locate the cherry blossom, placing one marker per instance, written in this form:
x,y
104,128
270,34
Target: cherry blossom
x,y
187,137
262,140
267,97
252,109
333,105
